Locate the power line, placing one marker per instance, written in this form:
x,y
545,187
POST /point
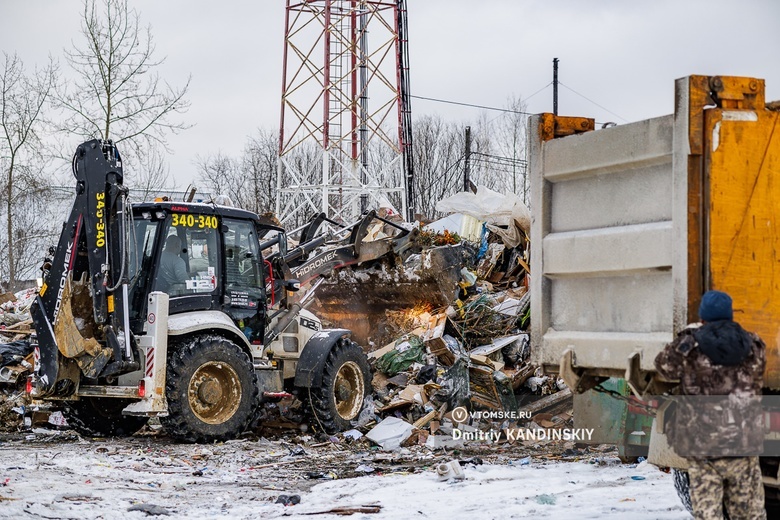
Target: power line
x,y
502,157
506,110
475,106
446,171
500,160
535,93
588,99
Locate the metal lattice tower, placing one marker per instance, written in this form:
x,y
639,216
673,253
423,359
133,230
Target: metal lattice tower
x,y
345,131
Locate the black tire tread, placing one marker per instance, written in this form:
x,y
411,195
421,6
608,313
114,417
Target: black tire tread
x,y
321,399
84,417
179,423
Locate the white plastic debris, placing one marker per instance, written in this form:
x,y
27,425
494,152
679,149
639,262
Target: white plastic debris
x,y
352,434
499,211
438,442
450,470
535,382
57,419
390,433
509,307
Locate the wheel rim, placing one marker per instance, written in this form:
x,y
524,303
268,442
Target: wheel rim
x,y
348,390
214,392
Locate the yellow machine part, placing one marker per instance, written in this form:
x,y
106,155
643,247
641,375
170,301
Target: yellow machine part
x,y
742,227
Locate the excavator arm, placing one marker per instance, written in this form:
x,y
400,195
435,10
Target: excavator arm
x,y
319,256
80,313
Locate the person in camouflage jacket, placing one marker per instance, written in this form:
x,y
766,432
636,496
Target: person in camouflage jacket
x,y
717,422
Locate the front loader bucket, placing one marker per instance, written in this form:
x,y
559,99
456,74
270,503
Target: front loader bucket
x,y
87,352
357,297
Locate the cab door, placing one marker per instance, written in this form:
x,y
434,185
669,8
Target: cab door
x,y
244,298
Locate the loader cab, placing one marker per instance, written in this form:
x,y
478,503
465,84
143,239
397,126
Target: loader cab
x,y
205,257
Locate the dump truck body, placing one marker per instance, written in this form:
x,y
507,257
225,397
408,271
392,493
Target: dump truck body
x,y
631,224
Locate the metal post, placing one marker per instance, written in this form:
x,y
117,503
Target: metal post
x,y
555,86
154,345
363,89
467,166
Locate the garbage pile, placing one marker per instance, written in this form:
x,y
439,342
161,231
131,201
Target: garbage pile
x,y
15,322
15,329
443,365
474,352
461,341
15,356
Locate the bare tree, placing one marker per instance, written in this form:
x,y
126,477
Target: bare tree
x,y
510,137
259,162
249,180
152,175
22,101
438,162
497,158
222,175
117,94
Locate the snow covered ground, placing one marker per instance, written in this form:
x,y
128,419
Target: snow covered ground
x,y
68,477
539,490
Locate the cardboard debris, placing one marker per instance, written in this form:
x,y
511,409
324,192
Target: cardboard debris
x,y
491,388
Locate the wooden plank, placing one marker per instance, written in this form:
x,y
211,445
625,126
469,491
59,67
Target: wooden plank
x,y
425,419
19,325
11,332
546,402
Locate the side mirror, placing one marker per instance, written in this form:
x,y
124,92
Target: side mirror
x,y
283,244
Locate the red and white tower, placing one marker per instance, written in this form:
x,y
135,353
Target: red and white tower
x,y
345,131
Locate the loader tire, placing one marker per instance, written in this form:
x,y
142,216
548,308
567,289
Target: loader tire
x,y
102,417
346,380
211,389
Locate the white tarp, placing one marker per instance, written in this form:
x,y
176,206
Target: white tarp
x,y
505,215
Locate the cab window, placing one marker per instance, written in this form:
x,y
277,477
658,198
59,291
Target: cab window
x,y
243,267
189,261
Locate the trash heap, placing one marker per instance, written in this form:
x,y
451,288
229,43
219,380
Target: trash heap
x,y
15,356
15,313
15,330
447,362
474,352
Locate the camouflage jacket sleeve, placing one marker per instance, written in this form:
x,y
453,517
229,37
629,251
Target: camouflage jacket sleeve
x,y
669,362
759,352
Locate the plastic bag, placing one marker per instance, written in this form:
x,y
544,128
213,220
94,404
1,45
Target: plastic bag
x,y
408,350
505,215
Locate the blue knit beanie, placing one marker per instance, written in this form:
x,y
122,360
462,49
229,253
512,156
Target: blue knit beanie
x,y
715,305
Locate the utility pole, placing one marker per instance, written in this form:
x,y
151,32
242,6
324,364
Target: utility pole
x,y
555,86
467,165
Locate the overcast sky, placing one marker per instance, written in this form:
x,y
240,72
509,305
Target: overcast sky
x,y
622,55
